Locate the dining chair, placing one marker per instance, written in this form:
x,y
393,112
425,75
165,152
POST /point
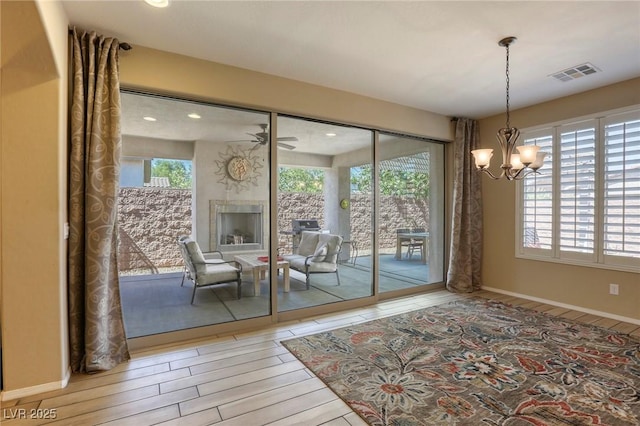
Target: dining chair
x,y
416,243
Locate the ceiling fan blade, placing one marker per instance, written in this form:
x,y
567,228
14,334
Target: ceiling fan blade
x,y
263,137
285,146
242,140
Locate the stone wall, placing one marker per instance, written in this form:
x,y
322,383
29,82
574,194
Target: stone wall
x,y
150,221
152,218
396,212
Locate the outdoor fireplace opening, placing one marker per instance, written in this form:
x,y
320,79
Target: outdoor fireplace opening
x,y
237,227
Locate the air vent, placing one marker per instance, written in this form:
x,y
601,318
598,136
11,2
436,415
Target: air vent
x,y
575,72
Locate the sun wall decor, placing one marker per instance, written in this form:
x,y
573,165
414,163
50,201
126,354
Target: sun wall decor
x,y
239,168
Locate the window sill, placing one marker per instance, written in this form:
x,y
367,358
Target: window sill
x,y
618,268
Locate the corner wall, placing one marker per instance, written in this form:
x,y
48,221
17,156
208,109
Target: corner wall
x,y
584,287
33,197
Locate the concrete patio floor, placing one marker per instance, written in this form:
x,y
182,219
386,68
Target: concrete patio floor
x,y
154,304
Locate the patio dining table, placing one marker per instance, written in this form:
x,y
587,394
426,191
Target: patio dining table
x,y
408,236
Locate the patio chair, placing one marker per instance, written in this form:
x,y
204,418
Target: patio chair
x,y
205,273
209,257
404,242
317,253
415,244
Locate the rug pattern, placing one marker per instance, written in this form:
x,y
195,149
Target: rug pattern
x,y
474,362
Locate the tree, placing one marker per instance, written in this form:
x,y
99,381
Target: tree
x,y
178,172
392,182
308,181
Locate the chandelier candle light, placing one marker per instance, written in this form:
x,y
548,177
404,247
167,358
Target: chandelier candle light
x,y
514,166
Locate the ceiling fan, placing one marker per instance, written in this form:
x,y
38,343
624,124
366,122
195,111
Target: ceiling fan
x,y
262,137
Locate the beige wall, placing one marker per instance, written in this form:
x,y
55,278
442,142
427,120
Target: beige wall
x,y
162,72
33,196
584,287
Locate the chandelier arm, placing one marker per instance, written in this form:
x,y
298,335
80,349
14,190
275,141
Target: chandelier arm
x,y
505,150
507,145
507,139
520,175
515,174
491,175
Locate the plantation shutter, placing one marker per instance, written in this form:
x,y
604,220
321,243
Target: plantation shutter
x,y
537,198
583,207
577,190
621,233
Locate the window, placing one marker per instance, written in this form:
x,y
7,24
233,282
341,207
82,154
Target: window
x,y
300,180
577,188
621,188
170,173
537,194
584,205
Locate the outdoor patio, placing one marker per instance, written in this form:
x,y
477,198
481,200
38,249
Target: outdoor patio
x,y
157,303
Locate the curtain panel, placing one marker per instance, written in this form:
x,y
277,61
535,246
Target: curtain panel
x,y
465,257
96,328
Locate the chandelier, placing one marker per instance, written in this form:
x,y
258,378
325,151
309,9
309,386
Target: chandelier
x,y
514,166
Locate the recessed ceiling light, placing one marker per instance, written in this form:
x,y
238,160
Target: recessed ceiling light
x,y
157,3
148,118
331,134
194,115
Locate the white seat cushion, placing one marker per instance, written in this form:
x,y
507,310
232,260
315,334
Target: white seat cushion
x,y
214,273
322,267
213,261
297,262
333,243
320,253
194,251
308,243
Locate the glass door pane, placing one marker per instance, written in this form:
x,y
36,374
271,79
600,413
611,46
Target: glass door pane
x,y
324,227
411,222
199,171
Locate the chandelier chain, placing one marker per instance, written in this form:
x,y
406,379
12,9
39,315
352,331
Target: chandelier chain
x,y
507,75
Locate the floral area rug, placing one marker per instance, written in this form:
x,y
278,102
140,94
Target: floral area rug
x,y
479,362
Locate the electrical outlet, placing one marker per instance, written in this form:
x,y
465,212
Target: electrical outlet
x,y
613,289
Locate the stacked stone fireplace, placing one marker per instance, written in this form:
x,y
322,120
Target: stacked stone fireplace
x,y
238,226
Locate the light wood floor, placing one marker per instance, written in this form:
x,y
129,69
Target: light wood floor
x,y
243,379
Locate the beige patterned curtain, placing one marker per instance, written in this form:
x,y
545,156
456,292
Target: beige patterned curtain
x,y
465,257
96,328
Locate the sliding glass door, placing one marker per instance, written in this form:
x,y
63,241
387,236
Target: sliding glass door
x,y
350,224
324,227
411,208
199,171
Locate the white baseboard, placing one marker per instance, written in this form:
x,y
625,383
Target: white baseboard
x,y
8,395
565,305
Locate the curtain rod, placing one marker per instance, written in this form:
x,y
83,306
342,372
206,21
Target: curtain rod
x,y
122,45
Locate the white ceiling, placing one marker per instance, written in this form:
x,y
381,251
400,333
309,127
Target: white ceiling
x,y
231,126
440,56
